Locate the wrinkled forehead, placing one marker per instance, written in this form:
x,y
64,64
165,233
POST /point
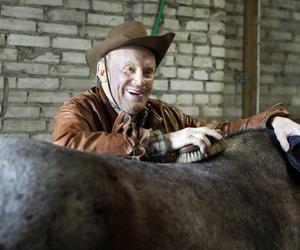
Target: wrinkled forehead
x,y
134,54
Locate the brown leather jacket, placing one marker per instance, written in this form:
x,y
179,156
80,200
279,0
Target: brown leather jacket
x,y
89,123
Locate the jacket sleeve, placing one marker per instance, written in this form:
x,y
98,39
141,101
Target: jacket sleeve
x,y
261,120
75,127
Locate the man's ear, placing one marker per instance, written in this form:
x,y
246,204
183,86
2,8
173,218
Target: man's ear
x,y
101,71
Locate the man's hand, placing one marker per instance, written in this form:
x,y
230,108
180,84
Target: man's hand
x,y
195,136
283,128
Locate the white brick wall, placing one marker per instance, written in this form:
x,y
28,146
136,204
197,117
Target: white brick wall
x,y
43,47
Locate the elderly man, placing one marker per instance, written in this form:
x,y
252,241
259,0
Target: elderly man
x,y
118,118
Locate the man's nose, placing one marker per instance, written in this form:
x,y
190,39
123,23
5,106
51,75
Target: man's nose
x,y
138,77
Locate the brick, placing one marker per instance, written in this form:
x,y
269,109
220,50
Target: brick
x,y
43,2
198,37
172,24
150,8
48,111
42,137
271,68
282,90
73,57
217,76
12,82
217,52
161,85
170,11
233,112
185,2
197,25
266,78
205,3
76,84
214,86
167,72
22,12
108,6
235,54
184,60
108,20
69,70
2,39
216,99
168,60
296,16
202,50
73,16
38,83
205,62
57,28
275,13
181,36
185,11
26,40
186,99
184,73
47,97
200,75
23,125
295,101
48,57
22,112
192,111
17,25
219,3
8,54
219,64
71,43
291,68
201,99
169,98
185,48
202,13
279,35
29,68
186,85
217,39
93,32
17,96
214,112
78,4
217,27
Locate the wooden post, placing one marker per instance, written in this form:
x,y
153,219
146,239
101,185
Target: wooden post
x,y
249,58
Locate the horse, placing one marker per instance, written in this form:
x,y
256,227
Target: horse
x,y
53,197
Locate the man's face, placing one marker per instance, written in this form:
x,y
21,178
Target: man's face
x,y
131,74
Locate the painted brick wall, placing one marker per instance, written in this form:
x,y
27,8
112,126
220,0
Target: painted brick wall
x,y
280,55
42,62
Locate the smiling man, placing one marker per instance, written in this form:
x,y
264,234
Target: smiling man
x,y
118,118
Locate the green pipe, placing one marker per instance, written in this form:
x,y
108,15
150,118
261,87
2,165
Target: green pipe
x,y
158,17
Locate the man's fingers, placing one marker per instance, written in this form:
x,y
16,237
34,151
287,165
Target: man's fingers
x,y
282,138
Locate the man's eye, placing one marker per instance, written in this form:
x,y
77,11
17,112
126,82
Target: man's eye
x,y
131,69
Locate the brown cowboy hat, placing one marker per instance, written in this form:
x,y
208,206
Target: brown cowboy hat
x,y
126,34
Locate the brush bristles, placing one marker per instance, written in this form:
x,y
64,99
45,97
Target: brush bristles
x,y
192,153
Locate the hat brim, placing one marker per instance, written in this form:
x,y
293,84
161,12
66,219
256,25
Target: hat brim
x,y
157,44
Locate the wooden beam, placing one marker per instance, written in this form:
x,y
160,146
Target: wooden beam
x,y
249,58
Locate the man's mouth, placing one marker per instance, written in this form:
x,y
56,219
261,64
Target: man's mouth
x,y
135,92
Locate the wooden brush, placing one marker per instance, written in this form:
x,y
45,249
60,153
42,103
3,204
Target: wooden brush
x,y
191,153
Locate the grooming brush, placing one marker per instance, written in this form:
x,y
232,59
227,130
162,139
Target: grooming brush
x,y
192,153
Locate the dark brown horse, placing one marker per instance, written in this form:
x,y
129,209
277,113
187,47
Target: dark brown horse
x,y
62,199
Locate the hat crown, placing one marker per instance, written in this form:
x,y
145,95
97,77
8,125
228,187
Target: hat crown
x,y
130,30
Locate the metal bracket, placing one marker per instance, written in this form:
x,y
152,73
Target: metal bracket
x,y
240,77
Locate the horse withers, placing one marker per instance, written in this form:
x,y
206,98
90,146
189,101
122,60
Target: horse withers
x,y
56,198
